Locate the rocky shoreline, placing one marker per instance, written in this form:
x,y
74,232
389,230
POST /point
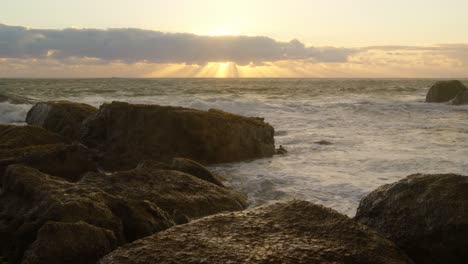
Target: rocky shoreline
x,y
127,184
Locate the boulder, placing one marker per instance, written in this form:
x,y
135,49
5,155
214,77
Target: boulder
x,y
425,215
196,169
178,193
62,117
444,91
30,199
24,136
460,99
293,232
66,161
128,134
71,243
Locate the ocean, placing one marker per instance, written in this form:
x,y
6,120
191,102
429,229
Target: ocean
x,y
380,130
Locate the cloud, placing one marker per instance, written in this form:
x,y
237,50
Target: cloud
x,y
455,55
137,45
144,53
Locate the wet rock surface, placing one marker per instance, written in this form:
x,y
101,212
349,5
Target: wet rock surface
x,y
24,136
180,194
62,117
444,91
30,199
425,215
128,134
294,232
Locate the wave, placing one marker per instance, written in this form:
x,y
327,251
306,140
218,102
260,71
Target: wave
x,y
16,99
14,108
13,113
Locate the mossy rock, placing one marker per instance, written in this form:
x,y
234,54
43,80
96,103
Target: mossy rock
x,y
12,136
62,117
127,134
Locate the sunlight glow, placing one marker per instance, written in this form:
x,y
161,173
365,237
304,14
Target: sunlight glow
x,y
222,32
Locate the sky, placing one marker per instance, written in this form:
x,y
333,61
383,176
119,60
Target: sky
x,y
255,38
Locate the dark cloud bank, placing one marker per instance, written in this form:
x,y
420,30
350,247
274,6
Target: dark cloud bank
x,y
135,45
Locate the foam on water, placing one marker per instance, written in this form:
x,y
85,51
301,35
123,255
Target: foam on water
x,y
380,130
13,113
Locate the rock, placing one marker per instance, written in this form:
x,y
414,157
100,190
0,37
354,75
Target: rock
x,y
25,136
444,91
71,243
170,190
281,151
128,134
155,165
184,165
66,161
294,232
323,142
62,117
460,99
196,169
425,215
29,199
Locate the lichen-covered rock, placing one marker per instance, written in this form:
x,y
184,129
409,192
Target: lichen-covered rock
x,y
65,161
460,99
173,191
196,169
294,232
444,91
425,215
62,117
24,136
128,134
29,199
71,243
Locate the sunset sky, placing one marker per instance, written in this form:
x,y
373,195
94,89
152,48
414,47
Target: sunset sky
x,y
256,38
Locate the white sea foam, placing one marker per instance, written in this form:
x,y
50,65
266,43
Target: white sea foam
x,y
13,113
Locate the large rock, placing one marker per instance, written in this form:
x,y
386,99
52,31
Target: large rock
x,y
62,117
71,243
444,91
24,136
30,199
184,165
128,134
196,169
294,232
426,215
66,161
177,193
460,99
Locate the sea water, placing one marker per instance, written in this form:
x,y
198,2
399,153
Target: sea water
x,y
380,130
